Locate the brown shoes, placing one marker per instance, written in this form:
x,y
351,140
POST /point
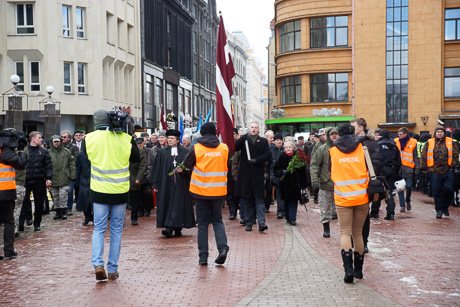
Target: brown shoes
x,y
100,273
113,275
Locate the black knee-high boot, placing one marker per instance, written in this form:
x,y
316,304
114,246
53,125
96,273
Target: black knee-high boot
x,y
358,270
347,258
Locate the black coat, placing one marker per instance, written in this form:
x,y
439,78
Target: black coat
x,y
83,180
391,160
174,201
291,185
250,182
39,167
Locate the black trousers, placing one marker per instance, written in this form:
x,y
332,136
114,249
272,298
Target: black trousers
x,y
39,191
134,199
146,203
268,194
7,218
366,229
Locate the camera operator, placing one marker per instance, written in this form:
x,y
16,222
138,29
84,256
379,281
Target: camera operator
x,y
9,160
110,150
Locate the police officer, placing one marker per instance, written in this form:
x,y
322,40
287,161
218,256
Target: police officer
x,y
209,158
110,153
9,160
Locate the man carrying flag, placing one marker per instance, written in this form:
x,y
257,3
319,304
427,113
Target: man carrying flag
x,y
224,74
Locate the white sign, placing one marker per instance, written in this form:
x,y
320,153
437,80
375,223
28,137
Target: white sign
x,y
326,112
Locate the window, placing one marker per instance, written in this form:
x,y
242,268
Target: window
x,y
291,90
169,97
181,99
187,102
452,82
329,32
397,61
24,18
67,77
195,106
35,76
66,21
452,25
80,22
329,87
158,94
290,36
168,20
81,78
20,73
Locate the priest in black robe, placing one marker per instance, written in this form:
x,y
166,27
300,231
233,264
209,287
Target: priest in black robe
x,y
174,201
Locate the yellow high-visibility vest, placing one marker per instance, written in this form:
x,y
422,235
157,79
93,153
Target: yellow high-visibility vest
x,y
109,154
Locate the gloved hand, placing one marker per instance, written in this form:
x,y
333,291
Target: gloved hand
x,y
315,185
252,161
284,172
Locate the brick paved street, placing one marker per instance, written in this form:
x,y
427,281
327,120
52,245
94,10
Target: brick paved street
x,y
412,261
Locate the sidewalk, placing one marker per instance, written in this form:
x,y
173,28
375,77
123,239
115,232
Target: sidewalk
x,y
412,261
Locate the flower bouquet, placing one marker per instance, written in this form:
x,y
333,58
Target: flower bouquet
x,y
298,161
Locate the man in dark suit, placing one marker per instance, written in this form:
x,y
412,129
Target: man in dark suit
x,y
250,183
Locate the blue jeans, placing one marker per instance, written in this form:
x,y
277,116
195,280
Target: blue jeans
x,y
402,201
210,211
249,204
290,209
443,189
117,217
70,198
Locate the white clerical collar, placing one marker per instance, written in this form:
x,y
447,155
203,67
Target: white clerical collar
x,y
174,151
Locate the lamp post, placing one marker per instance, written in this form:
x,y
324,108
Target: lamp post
x,y
50,113
13,112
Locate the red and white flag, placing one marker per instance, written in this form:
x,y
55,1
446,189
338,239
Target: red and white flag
x,y
224,74
164,126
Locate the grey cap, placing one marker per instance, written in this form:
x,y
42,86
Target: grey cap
x,y
101,118
322,131
162,133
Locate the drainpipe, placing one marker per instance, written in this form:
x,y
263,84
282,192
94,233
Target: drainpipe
x,y
353,58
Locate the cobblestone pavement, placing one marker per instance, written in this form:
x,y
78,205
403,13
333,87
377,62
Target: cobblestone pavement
x,y
412,261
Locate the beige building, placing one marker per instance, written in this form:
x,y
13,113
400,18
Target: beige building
x,y
395,63
89,51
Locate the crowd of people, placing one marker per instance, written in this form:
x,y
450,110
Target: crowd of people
x,y
188,180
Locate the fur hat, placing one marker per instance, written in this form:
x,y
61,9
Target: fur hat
x,y
278,136
345,129
173,132
162,133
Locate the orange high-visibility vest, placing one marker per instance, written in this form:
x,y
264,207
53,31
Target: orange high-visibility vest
x,y
429,153
7,177
209,176
350,176
407,157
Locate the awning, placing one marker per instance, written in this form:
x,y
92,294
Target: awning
x,y
309,120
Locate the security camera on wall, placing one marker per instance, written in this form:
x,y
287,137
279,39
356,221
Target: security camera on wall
x,y
440,122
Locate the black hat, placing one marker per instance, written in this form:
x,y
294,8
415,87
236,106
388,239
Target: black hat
x,y
235,130
384,132
456,134
78,131
278,136
208,128
173,132
143,134
139,140
345,129
300,137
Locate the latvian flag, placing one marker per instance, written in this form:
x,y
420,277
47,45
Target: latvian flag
x,y
224,74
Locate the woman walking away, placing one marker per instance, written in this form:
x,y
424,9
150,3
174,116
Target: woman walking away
x,y
350,175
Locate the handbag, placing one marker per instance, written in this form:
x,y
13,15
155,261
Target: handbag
x,y
304,197
377,188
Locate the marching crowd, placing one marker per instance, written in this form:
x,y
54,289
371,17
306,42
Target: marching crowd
x,y
187,181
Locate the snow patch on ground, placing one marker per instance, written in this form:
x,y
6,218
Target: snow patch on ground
x,y
453,294
411,280
391,265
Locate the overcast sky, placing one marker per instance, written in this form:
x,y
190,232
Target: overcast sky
x,y
253,18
